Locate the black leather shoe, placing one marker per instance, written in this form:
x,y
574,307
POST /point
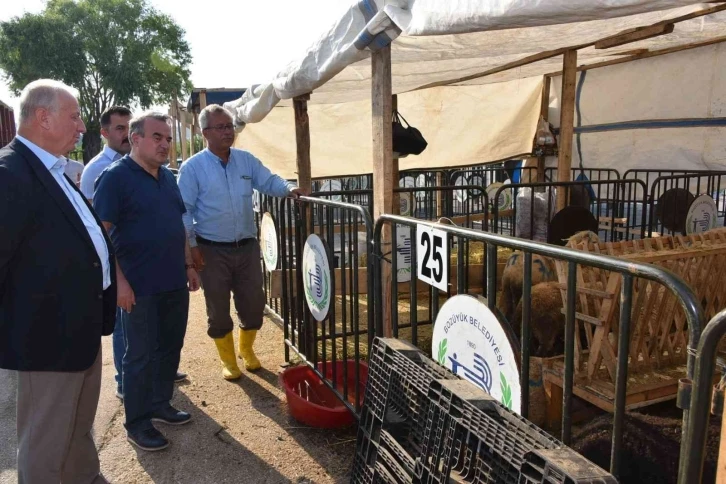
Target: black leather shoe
x,y
180,377
150,440
171,416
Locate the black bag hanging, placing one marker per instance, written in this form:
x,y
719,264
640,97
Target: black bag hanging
x,y
407,140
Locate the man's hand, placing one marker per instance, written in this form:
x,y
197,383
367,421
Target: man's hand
x,y
193,278
298,192
125,298
197,258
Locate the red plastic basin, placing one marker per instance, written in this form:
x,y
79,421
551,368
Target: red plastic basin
x,y
311,402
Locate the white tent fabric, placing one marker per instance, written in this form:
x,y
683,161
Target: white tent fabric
x,y
661,112
463,125
443,41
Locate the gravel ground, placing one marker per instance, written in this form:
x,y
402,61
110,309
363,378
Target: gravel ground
x,y
241,432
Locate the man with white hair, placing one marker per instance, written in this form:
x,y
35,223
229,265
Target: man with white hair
x,y
57,291
216,185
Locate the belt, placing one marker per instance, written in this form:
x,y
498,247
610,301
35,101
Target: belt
x,y
239,243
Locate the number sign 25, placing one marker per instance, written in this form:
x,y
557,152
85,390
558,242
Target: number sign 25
x,y
432,256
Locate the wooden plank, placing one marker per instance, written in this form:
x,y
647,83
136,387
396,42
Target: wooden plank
x,y
646,55
172,148
544,111
567,120
202,105
634,35
302,142
383,169
588,291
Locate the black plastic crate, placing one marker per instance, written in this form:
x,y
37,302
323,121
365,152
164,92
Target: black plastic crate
x,y
561,466
422,424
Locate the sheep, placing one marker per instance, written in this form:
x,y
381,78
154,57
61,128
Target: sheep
x,y
548,323
650,450
542,271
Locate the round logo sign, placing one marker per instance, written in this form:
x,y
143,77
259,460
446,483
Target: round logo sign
x,y
461,195
332,186
702,215
268,242
403,253
505,196
405,200
316,277
469,340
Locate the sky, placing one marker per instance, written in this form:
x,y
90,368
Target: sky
x,y
234,43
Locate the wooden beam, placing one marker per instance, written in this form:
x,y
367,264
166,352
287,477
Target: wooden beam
x,y
567,123
530,59
302,142
646,55
544,111
172,113
202,105
721,467
394,163
383,181
634,35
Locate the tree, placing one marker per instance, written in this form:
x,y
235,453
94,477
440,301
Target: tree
x,y
115,52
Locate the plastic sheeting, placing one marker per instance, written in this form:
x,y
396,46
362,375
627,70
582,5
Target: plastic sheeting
x,y
463,125
443,41
651,113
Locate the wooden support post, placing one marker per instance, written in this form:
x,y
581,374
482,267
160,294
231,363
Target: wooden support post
x,y
302,143
202,105
183,135
172,151
383,170
394,163
544,111
567,123
302,139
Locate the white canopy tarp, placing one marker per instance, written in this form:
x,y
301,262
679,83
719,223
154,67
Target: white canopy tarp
x,y
443,41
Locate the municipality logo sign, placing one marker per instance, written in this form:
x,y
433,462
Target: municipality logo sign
x,y
268,242
469,340
316,277
702,215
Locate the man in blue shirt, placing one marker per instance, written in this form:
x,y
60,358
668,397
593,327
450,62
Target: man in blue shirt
x,y
115,129
139,203
216,185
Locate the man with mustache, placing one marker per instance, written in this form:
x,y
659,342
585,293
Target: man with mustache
x,y
57,291
115,129
216,185
140,205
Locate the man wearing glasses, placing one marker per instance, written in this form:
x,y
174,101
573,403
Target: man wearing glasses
x,y
216,186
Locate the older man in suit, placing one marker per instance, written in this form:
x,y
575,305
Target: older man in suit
x,y
57,291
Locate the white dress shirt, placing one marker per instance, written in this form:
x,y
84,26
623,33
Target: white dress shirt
x,y
94,168
56,166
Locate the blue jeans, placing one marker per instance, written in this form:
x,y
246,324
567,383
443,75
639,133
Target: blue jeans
x,y
154,335
119,348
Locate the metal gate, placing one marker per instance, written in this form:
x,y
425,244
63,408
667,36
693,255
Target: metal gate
x,y
629,271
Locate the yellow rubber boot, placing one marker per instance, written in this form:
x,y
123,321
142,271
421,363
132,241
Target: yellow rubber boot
x,y
246,339
225,347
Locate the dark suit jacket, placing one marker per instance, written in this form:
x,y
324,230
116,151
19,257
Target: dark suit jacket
x,y
53,309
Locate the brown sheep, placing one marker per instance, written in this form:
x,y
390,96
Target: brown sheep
x,y
548,323
543,270
651,447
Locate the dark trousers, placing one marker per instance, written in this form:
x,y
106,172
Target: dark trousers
x,y
119,348
236,270
154,335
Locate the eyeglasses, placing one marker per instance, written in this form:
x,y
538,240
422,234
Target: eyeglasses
x,y
222,127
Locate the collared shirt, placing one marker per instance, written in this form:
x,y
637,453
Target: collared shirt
x,y
148,233
56,166
73,170
94,168
218,197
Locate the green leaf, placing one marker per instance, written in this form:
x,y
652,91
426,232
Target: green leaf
x,y
506,391
442,352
